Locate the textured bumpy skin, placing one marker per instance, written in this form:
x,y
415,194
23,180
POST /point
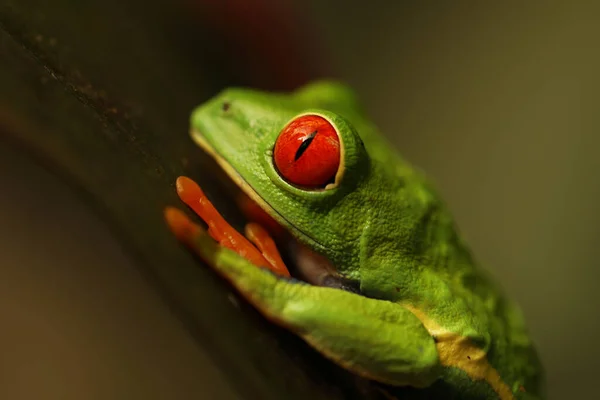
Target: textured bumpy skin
x,y
426,314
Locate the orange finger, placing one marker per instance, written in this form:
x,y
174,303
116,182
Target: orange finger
x,y
191,194
261,239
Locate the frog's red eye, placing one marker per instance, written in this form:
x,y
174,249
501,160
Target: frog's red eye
x,y
307,152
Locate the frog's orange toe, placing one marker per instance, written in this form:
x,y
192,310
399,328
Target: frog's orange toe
x,y
183,228
188,190
218,228
265,244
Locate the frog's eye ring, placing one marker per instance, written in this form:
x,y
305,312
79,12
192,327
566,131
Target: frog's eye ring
x,y
307,152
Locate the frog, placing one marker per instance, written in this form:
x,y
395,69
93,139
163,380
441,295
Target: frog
x,y
377,277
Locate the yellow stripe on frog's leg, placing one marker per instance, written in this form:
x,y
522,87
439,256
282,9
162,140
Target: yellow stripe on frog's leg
x,y
458,351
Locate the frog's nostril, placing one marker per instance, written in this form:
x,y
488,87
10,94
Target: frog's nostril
x,y
226,105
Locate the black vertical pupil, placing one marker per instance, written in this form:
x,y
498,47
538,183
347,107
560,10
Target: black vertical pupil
x,y
304,145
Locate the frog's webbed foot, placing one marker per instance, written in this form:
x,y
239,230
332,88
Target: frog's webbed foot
x,y
263,253
372,338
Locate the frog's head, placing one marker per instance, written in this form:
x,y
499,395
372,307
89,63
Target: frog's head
x,y
301,163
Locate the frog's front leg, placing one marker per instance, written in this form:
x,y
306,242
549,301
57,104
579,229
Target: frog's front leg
x,y
375,339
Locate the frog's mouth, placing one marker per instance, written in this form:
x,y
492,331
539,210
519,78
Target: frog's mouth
x,y
302,262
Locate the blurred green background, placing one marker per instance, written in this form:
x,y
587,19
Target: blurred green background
x,y
495,101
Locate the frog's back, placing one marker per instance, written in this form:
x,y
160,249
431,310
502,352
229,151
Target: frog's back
x,y
482,334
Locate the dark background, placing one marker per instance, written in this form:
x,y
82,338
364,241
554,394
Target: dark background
x,y
494,101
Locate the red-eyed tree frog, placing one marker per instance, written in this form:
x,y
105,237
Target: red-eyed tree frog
x,y
377,278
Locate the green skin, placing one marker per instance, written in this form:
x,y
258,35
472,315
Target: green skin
x,y
383,226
